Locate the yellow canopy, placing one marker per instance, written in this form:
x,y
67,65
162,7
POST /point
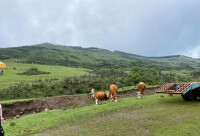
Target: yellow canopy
x,y
2,65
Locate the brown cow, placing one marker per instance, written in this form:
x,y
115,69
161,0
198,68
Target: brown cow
x,y
92,94
113,92
100,96
141,88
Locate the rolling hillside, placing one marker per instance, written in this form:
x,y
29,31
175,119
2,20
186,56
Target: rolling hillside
x,y
51,54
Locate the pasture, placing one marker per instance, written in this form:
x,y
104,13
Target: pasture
x,y
56,72
154,115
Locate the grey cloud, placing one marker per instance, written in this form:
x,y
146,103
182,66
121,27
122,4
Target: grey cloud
x,y
150,28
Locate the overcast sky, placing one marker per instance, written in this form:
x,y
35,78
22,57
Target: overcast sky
x,y
143,27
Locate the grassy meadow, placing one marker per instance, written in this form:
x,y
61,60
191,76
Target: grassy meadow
x,y
157,115
56,72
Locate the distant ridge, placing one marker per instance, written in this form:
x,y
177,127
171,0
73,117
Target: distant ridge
x,y
124,53
171,56
92,57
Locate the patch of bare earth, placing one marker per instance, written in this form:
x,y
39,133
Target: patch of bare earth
x,y
18,109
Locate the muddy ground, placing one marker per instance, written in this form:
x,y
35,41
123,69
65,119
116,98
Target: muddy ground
x,y
18,109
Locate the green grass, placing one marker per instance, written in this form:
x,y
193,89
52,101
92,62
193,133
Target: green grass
x,y
56,72
157,115
15,100
135,87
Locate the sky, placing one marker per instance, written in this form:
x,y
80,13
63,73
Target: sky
x,y
142,27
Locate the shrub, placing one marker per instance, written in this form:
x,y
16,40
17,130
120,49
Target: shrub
x,y
33,71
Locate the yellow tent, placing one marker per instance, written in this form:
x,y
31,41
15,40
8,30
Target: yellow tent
x,y
2,65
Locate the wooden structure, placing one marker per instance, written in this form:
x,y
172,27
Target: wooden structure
x,y
189,91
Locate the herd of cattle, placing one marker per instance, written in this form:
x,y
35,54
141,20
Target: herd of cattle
x,y
102,96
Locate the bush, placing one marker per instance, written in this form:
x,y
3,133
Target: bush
x,y
153,76
33,71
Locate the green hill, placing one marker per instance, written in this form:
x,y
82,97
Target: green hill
x,y
51,54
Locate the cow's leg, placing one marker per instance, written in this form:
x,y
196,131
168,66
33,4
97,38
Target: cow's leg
x,y
142,96
96,101
139,95
111,98
115,98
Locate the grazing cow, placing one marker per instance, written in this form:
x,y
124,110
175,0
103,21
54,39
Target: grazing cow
x,y
113,92
100,96
141,88
92,94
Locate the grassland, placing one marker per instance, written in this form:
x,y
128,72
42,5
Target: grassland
x,y
51,54
154,115
157,115
56,72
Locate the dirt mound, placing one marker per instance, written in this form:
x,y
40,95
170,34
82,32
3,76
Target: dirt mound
x,y
18,109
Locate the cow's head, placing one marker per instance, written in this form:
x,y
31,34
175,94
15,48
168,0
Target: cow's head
x,y
92,91
107,95
92,94
139,95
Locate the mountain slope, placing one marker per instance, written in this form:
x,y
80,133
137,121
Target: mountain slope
x,y
174,61
47,53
